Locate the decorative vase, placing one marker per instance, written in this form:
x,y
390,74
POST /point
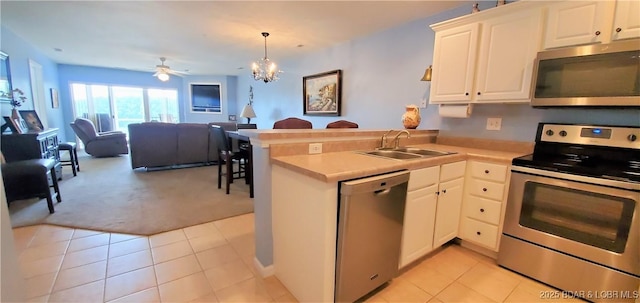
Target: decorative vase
x,y
411,117
14,114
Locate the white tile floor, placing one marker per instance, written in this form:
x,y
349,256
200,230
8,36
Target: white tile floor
x,y
213,262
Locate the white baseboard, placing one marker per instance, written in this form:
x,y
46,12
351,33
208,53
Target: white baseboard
x,y
264,271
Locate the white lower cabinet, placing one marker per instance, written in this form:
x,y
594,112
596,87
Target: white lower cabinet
x,y
419,219
485,197
448,211
429,209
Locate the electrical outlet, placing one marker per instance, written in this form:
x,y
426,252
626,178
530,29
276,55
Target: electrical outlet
x,y
494,123
423,103
315,148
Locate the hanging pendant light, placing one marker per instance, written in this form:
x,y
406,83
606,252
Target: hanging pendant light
x,y
264,69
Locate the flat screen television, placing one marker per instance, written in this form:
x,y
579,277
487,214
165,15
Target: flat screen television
x,y
206,98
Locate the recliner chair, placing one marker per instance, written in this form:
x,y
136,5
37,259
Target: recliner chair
x,y
106,144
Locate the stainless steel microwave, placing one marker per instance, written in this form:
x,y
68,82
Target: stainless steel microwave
x,y
603,75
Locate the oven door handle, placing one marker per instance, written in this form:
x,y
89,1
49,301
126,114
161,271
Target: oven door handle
x,y
578,178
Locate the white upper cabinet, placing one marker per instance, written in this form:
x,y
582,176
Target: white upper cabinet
x,y
571,23
454,61
486,58
626,23
509,45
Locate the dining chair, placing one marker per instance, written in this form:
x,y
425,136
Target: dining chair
x,y
292,123
228,158
342,124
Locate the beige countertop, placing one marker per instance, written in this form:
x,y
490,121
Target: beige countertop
x,y
338,166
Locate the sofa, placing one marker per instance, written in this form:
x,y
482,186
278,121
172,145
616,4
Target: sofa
x,y
159,144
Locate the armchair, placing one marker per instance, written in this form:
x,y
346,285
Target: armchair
x,y
107,144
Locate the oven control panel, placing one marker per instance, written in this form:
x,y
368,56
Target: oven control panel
x,y
613,136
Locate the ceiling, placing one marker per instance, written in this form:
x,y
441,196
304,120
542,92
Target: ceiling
x,y
201,37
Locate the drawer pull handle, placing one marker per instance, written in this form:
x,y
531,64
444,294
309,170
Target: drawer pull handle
x,y
478,233
482,210
486,171
484,189
597,33
618,30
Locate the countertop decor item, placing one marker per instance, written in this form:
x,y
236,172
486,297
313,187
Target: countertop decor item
x,y
16,98
264,69
475,8
32,120
411,117
247,110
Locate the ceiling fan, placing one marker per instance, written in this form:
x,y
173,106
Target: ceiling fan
x,y
163,71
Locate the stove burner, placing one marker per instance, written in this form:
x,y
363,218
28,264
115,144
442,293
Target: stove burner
x,y
610,158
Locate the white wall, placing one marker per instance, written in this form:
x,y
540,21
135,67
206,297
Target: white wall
x,y
12,288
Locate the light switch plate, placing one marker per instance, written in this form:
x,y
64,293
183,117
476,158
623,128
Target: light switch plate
x,y
315,148
494,123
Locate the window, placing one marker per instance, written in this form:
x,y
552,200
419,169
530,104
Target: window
x,y
205,98
115,107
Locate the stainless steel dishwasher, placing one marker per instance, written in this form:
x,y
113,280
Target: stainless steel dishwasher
x,y
369,233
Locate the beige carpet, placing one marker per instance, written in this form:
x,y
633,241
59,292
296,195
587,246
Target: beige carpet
x,y
107,195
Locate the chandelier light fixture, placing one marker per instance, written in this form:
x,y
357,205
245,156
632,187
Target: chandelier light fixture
x,y
264,69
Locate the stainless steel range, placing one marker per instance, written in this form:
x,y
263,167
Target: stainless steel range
x,y
573,212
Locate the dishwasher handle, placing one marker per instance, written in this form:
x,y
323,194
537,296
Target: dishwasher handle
x,y
375,184
381,192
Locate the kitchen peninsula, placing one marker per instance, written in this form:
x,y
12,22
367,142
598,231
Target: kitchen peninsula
x,y
297,193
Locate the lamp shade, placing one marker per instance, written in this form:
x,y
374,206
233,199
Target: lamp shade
x,y
247,112
427,74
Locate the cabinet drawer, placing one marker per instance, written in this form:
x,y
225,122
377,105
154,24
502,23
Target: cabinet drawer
x,y
487,211
423,177
480,233
488,171
451,171
486,189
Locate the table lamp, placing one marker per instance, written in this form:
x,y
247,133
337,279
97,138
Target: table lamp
x,y
247,112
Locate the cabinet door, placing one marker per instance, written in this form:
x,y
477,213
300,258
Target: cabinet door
x,y
448,211
417,230
508,47
454,60
626,24
578,22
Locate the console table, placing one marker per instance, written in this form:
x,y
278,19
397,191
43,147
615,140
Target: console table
x,y
33,145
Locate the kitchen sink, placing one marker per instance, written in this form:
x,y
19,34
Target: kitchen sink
x,y
406,153
423,152
393,154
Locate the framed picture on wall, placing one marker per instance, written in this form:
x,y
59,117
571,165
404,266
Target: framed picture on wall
x,y
206,97
55,102
322,93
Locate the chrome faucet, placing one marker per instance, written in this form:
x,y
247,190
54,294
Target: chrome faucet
x,y
397,137
383,141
